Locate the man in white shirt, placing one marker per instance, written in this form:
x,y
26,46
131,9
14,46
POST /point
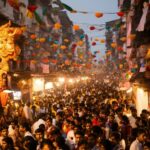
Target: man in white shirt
x,y
27,112
29,141
137,143
37,124
133,117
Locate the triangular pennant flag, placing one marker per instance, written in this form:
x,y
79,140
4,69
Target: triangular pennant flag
x,y
38,18
67,7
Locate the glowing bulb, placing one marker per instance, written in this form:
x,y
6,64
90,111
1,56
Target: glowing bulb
x,y
70,81
57,84
48,85
61,80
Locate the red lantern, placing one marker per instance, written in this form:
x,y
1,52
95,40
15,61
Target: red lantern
x,y
33,54
54,61
92,28
120,14
120,48
33,36
45,60
32,8
67,62
74,46
93,43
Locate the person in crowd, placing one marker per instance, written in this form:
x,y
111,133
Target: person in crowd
x,y
4,134
133,118
137,144
27,111
39,136
7,144
47,145
36,124
115,139
28,139
60,143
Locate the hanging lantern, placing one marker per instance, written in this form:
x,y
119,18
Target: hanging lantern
x,y
119,48
93,43
63,47
32,8
33,36
92,28
80,43
67,62
96,39
54,61
81,37
98,14
120,14
132,36
123,39
37,46
81,56
57,26
45,60
102,41
66,40
55,46
113,45
108,53
42,40
74,45
76,27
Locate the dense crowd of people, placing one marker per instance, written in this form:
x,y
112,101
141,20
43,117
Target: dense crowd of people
x,y
89,116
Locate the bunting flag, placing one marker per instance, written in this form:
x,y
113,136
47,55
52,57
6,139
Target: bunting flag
x,y
38,18
68,7
96,14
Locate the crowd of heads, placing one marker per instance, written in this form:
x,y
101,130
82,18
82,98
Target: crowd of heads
x,y
89,116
